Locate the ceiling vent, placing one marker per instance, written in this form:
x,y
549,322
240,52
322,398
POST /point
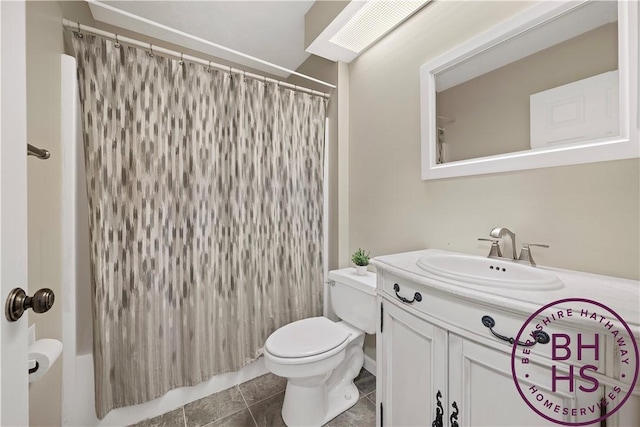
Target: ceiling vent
x,y
359,25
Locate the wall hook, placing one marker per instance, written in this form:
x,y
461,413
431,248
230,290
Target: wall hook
x,y
40,153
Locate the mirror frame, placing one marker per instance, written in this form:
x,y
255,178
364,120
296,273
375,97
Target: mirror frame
x,y
624,146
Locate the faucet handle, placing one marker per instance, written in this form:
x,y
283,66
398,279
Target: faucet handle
x,y
495,251
525,253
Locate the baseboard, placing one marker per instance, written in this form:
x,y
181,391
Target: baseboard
x,y
370,365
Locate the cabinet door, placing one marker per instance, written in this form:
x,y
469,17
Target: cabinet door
x,y
413,368
628,414
481,385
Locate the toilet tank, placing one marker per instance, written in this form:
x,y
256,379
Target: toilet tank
x,y
353,298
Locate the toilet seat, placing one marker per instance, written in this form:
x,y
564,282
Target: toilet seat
x,y
306,338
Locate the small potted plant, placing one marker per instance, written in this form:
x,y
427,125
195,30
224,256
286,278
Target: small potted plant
x,y
361,260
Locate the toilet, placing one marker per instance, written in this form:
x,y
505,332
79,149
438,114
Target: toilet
x,y
319,357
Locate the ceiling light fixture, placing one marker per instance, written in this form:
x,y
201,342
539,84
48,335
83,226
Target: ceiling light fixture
x,y
359,25
372,21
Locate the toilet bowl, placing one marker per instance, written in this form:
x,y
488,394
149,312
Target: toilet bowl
x,y
319,357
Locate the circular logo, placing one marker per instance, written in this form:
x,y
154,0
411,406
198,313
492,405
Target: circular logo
x,y
558,362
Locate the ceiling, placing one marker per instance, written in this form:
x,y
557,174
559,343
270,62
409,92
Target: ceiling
x,y
269,30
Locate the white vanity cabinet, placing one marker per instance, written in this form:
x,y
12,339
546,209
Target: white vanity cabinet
x,y
439,365
422,367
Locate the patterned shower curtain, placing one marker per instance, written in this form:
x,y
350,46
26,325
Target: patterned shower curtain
x,y
205,203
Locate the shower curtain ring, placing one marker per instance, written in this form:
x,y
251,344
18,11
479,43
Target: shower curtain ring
x,y
209,67
245,76
181,62
117,45
150,53
295,90
79,33
265,81
230,75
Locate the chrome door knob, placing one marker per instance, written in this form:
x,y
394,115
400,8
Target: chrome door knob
x,y
18,302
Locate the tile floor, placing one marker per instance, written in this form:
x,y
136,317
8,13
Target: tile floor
x,y
257,403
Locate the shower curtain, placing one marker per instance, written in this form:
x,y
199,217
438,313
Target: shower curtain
x,y
205,201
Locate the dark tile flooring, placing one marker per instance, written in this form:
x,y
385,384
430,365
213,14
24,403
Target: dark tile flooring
x,y
257,403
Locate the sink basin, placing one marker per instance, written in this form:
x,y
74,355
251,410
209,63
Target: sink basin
x,y
489,272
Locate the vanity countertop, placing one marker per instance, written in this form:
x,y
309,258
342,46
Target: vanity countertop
x,y
621,295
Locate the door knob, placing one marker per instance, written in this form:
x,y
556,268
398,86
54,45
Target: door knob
x,y
18,302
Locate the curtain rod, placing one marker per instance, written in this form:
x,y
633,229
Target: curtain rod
x,y
111,9
76,27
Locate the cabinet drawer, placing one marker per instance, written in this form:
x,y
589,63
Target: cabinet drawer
x,y
507,325
402,290
466,317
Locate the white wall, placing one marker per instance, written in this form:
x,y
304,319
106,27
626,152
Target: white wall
x,y
589,214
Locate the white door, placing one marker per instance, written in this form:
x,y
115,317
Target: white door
x,y
584,110
14,391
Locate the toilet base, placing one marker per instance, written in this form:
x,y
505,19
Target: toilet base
x,y
340,400
297,412
313,401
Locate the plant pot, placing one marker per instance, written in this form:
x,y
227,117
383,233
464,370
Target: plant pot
x,y
361,270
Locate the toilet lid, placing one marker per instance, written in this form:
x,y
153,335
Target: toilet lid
x,y
306,337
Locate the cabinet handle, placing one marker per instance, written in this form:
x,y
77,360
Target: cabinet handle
x,y
453,419
439,411
416,296
539,336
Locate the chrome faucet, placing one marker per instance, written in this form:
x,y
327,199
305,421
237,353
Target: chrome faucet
x,y
498,232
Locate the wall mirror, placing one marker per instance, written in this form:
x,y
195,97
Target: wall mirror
x,y
554,85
